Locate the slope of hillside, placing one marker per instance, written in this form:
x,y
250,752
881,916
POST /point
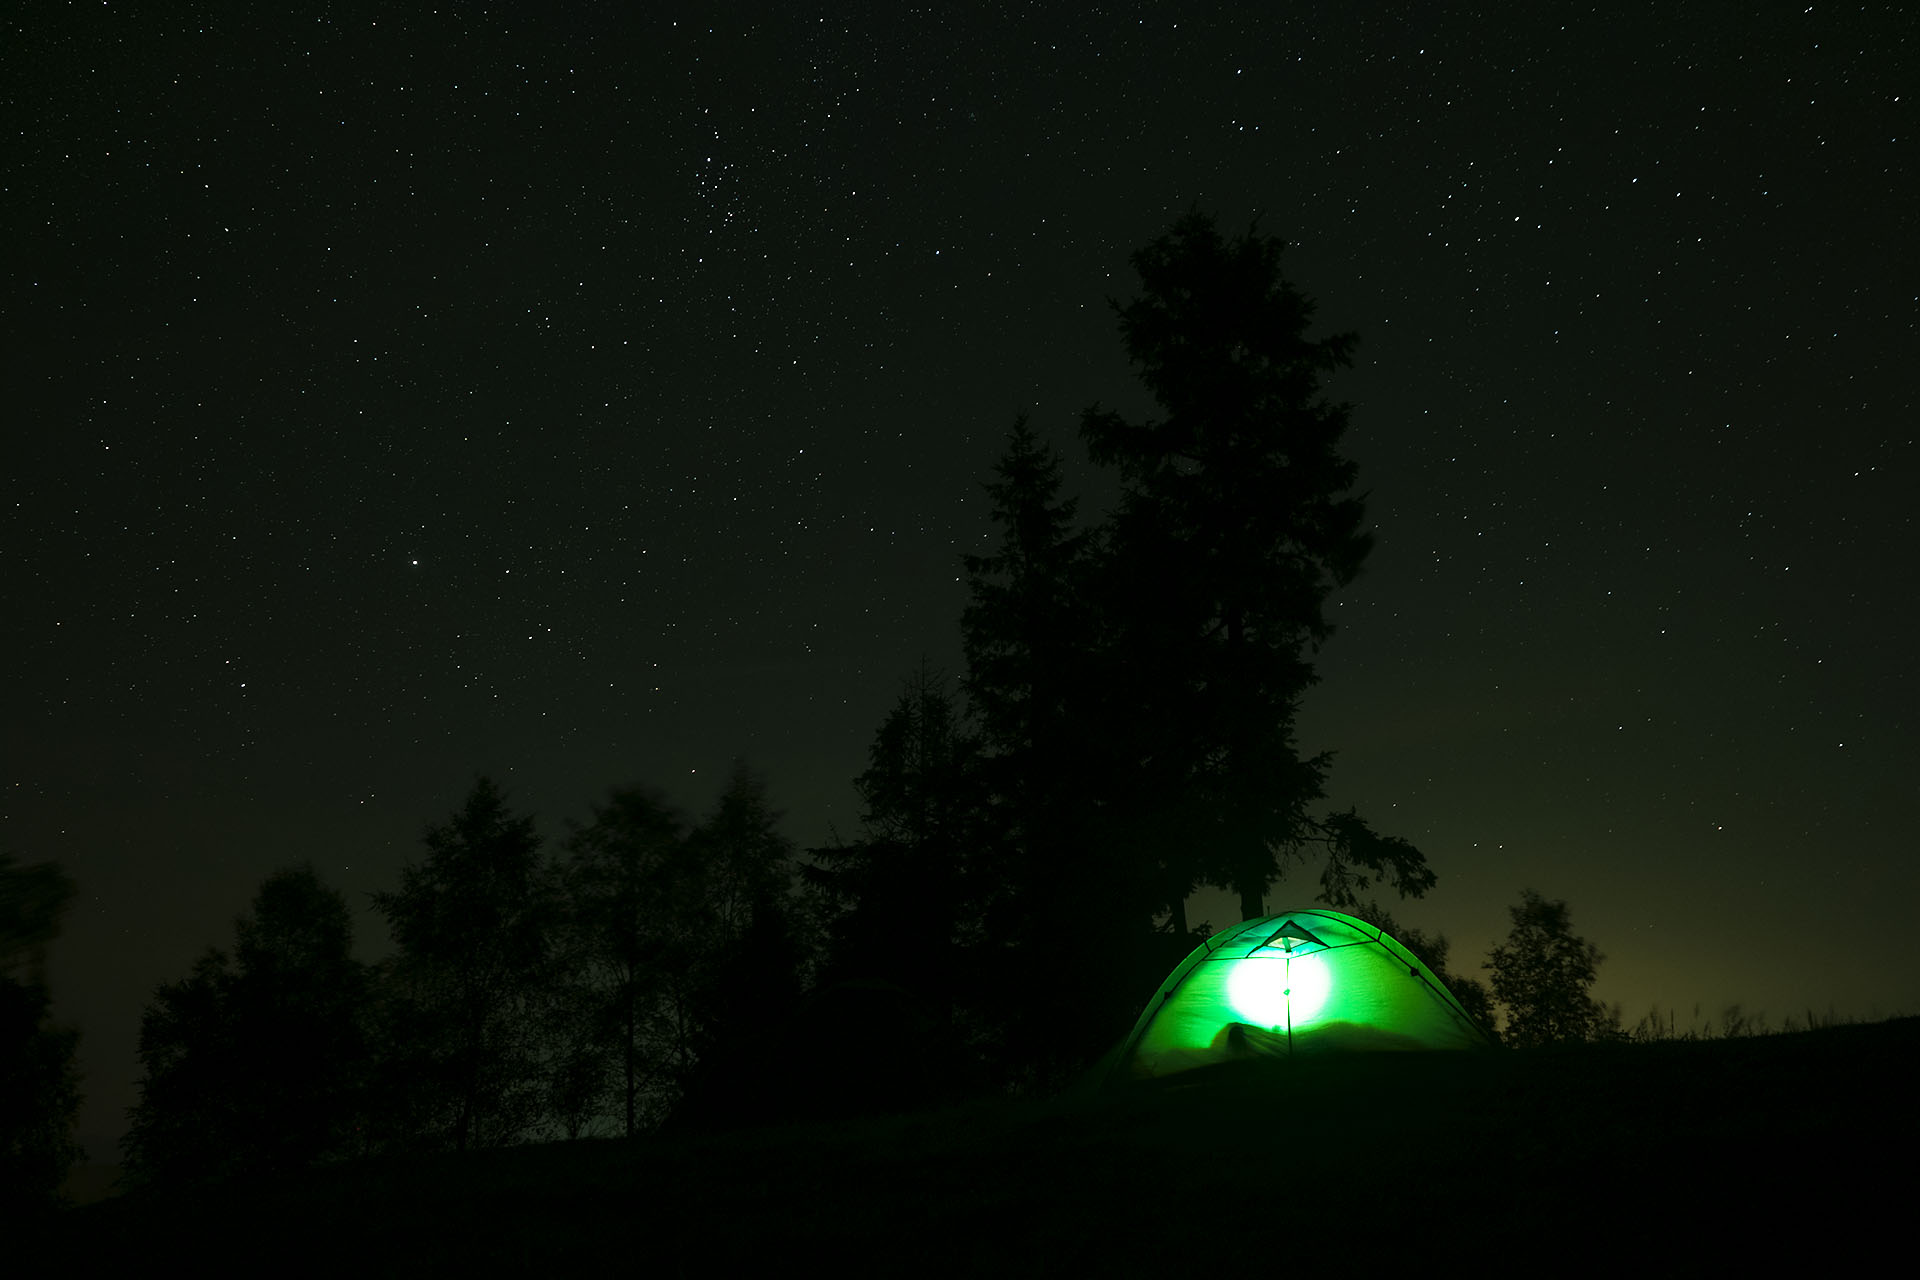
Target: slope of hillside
x,y
1650,1155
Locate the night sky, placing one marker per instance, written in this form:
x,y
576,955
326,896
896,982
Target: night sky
x,y
589,400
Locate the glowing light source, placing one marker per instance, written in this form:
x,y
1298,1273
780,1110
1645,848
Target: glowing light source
x,y
1278,991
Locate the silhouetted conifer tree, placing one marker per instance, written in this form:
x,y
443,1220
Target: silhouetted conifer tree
x,y
1135,683
897,909
1066,886
891,903
1029,633
1237,519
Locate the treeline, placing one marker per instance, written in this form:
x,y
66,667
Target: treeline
x,y
652,971
528,996
1031,829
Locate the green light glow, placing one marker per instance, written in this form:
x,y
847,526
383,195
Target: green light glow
x,y
1277,991
1310,980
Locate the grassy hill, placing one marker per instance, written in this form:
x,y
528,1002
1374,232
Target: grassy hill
x,y
1660,1157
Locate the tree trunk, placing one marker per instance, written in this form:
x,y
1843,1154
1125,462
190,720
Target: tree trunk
x,y
627,1054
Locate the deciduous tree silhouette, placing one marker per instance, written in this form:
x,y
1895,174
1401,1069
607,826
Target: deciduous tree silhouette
x,y
746,866
685,939
33,902
474,924
756,956
39,1083
754,959
256,1063
631,917
1542,974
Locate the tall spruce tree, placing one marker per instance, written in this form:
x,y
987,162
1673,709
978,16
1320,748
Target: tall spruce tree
x,y
1026,629
1237,520
1028,638
1051,849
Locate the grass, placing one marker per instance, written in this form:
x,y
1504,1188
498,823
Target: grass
x,y
1652,1155
1734,1021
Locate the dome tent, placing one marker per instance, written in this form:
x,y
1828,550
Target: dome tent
x,y
1298,982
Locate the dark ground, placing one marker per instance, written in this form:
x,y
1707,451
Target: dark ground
x,y
1661,1158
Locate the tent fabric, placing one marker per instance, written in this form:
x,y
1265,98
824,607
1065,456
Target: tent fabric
x,y
1305,981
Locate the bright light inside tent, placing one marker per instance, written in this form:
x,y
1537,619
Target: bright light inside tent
x,y
1278,991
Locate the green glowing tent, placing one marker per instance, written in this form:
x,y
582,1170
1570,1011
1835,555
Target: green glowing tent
x,y
1293,983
